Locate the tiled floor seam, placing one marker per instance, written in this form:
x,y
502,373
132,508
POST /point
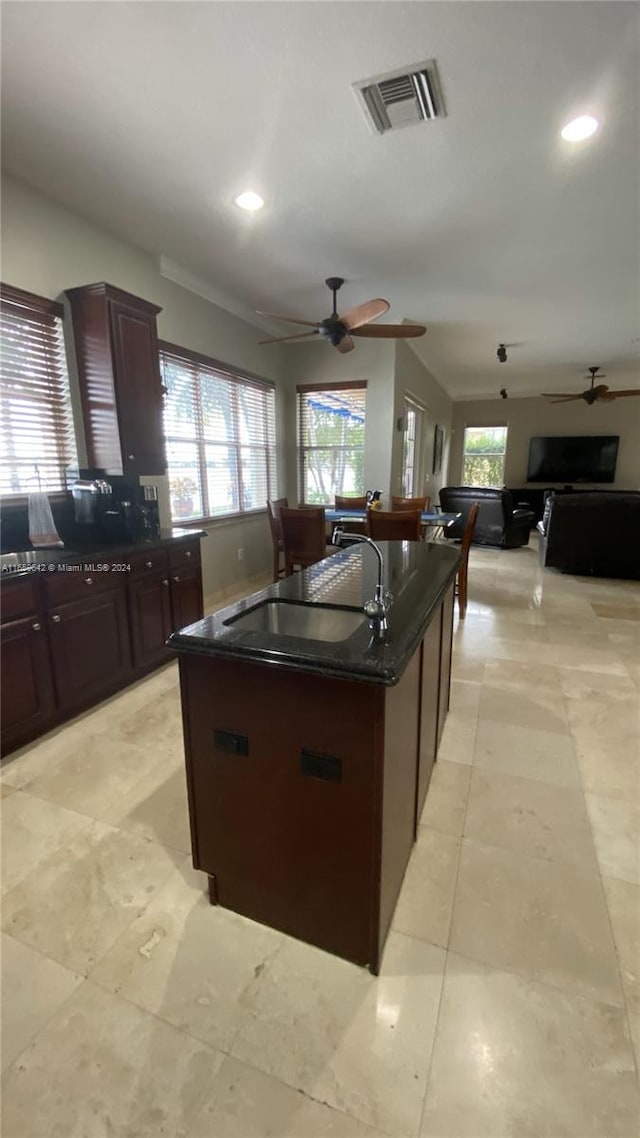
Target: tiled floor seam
x,y
446,959
625,1002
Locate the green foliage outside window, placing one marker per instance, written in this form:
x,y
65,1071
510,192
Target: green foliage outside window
x,y
484,455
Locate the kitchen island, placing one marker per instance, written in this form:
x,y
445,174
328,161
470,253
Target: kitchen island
x,y
310,739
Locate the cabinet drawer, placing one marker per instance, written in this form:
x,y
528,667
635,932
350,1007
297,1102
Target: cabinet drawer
x,y
147,562
185,554
19,597
76,582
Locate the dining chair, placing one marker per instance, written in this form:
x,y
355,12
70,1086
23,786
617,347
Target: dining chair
x,y
346,503
465,544
303,537
274,505
390,525
421,504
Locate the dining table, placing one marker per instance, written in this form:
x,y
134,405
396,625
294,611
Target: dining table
x,y
433,522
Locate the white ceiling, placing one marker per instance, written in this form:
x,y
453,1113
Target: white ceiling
x,y
150,117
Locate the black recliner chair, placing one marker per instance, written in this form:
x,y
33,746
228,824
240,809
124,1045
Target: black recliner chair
x,y
499,523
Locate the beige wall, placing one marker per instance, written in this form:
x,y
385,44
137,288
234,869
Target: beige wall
x,y
413,378
46,249
527,417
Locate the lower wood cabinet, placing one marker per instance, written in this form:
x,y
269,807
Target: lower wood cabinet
x,y
72,638
90,648
186,597
150,617
27,690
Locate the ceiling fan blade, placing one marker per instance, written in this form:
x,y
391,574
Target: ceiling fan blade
x,y
622,394
363,313
296,336
390,331
566,399
558,395
346,345
289,319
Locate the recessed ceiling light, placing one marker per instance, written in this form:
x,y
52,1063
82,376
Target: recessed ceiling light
x,y
250,201
580,128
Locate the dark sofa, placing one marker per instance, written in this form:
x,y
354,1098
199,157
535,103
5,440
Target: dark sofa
x,y
594,533
499,521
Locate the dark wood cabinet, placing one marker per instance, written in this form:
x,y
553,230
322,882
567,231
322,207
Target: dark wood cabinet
x,y
116,345
26,680
90,647
430,683
446,642
303,788
186,597
150,618
77,635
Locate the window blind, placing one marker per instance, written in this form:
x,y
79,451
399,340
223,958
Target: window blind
x,y
221,437
331,426
36,422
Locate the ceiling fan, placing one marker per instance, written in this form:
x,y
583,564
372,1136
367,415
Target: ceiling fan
x,y
597,393
339,330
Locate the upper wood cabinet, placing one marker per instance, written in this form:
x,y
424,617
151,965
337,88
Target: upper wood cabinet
x,y
116,344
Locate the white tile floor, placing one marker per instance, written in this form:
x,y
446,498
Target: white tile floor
x,y
509,1001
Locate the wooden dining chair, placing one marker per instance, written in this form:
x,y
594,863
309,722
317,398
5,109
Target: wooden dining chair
x,y
390,525
465,545
410,503
303,537
346,503
274,505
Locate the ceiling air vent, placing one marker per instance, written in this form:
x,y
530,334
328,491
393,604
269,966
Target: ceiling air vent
x,y
401,97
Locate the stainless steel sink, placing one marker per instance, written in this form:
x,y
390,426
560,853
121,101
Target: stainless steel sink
x,y
292,618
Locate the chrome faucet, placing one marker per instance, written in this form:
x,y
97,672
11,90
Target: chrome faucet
x,y
378,607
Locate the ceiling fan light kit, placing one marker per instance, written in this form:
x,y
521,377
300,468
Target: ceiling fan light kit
x,y
597,393
339,330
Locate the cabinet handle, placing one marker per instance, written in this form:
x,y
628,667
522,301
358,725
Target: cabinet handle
x,y
188,553
149,564
166,583
176,579
131,457
88,580
36,627
56,619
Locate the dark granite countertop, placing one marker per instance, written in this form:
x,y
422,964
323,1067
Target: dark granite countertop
x,y
416,573
35,560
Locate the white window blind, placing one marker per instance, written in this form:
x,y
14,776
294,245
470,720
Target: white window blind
x,y
221,437
36,424
331,425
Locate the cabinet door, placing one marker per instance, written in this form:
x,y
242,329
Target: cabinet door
x,y
429,701
90,647
445,661
150,619
138,389
27,682
186,597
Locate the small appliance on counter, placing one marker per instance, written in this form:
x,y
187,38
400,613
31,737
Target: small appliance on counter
x,y
115,511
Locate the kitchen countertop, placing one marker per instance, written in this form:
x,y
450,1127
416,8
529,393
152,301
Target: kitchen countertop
x,y
36,560
416,573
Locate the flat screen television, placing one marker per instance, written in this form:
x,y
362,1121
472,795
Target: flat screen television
x,y
572,458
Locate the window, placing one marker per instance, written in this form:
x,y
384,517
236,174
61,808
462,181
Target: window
x,y
331,441
36,423
413,417
221,437
484,453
